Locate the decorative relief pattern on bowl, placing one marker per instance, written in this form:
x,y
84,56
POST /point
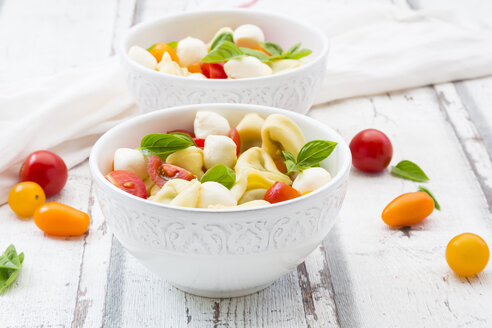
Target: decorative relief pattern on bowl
x,y
215,237
295,93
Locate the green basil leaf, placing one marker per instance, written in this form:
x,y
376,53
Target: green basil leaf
x,y
224,52
173,44
314,152
290,162
255,53
299,54
163,145
427,191
293,49
220,173
5,263
409,170
226,36
184,136
8,275
273,48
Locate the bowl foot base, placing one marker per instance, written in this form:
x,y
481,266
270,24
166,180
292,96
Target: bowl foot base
x,y
219,293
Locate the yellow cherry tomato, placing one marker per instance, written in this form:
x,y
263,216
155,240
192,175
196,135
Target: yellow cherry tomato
x,y
408,209
467,254
25,198
61,220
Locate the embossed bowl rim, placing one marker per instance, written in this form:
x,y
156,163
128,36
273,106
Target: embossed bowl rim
x,y
139,28
343,149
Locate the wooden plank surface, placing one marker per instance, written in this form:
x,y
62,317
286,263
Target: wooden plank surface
x,y
364,274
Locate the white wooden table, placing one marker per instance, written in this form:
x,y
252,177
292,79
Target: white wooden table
x,y
365,274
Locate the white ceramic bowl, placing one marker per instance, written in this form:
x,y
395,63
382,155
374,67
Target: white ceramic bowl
x,y
293,90
218,253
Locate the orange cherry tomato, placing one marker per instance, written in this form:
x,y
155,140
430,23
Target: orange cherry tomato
x,y
467,254
234,135
129,182
158,50
25,198
61,220
408,209
280,192
195,68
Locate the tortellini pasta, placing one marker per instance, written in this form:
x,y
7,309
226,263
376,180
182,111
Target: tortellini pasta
x,y
251,195
281,133
190,158
255,169
178,192
250,130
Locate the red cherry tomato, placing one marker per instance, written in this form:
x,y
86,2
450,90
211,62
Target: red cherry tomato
x,y
234,135
371,150
213,70
199,142
191,134
161,172
280,164
129,182
280,192
46,169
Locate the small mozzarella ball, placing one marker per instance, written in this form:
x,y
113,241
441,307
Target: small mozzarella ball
x,y
244,67
311,179
131,160
190,51
249,36
219,150
285,65
207,123
197,76
213,193
168,66
142,56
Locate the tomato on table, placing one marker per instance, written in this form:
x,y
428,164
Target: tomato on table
x,y
408,209
129,182
25,198
61,220
234,135
213,70
161,172
280,192
46,169
467,254
191,134
371,150
158,49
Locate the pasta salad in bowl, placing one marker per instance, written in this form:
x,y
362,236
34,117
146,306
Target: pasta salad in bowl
x,y
220,199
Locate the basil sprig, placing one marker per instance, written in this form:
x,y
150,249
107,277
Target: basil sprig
x,y
273,48
311,154
427,191
163,145
10,266
220,173
226,36
409,170
227,50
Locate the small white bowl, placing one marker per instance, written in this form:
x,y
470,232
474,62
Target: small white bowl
x,y
294,90
218,253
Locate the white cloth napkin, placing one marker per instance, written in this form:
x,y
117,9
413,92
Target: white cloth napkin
x,y
373,50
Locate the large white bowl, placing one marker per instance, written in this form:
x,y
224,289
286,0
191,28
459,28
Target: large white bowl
x,y
218,253
293,90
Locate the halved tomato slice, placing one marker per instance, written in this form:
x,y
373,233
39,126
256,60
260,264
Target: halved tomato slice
x,y
199,142
213,70
234,135
280,192
161,172
129,182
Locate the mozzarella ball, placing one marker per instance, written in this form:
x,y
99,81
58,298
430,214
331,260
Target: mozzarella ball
x,y
168,66
284,65
190,50
219,150
249,36
244,67
213,193
207,123
142,56
131,160
311,179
